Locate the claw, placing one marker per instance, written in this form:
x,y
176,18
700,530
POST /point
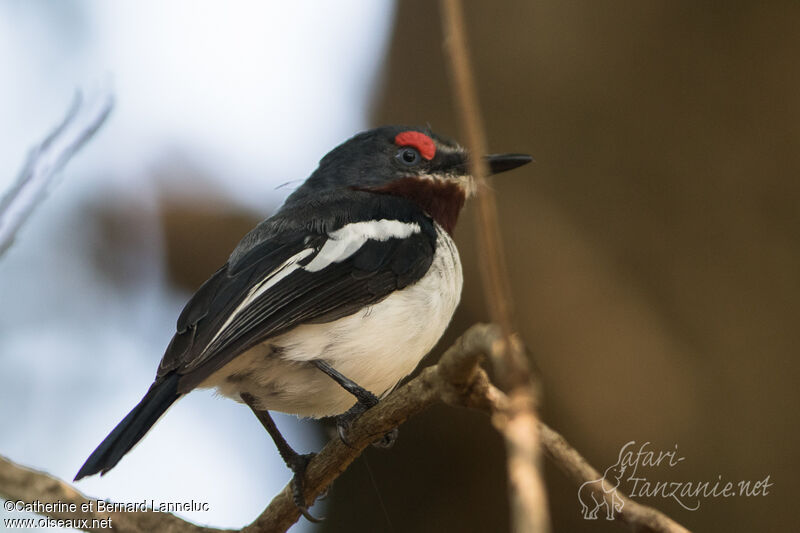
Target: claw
x,y
298,467
342,427
388,440
345,421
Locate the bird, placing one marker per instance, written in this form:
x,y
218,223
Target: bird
x,y
324,307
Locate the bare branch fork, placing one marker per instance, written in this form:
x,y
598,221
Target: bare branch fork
x,y
457,380
515,413
517,420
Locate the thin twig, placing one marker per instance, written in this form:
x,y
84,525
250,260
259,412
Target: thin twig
x,y
519,423
45,161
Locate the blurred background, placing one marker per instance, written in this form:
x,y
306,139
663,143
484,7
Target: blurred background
x,y
654,247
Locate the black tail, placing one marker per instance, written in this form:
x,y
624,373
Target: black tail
x,y
132,428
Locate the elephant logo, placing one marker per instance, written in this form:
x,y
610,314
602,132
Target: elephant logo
x,y
589,494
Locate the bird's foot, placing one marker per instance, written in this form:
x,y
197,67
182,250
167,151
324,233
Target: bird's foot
x,y
296,462
298,465
345,421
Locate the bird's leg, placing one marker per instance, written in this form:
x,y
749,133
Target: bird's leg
x,y
296,462
365,400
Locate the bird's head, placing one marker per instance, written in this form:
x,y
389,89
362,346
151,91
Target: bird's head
x,y
414,163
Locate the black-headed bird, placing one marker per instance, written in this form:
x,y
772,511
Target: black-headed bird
x,y
325,306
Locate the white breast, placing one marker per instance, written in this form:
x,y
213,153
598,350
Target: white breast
x,y
375,347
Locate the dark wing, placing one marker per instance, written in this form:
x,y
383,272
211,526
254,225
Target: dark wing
x,y
268,291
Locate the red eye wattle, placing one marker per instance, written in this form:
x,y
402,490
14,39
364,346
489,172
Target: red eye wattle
x,y
424,144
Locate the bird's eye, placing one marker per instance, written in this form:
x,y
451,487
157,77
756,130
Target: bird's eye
x,y
408,156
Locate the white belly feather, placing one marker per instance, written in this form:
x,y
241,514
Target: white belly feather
x,y
375,347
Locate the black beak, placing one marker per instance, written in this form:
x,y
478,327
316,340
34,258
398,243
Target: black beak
x,y
501,162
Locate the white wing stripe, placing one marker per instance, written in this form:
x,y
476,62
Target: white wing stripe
x,y
340,245
346,241
288,266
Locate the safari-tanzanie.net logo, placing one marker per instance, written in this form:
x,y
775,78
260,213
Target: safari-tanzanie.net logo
x,y
629,475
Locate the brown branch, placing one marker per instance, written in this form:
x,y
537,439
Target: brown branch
x,y
638,517
518,423
457,380
19,484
